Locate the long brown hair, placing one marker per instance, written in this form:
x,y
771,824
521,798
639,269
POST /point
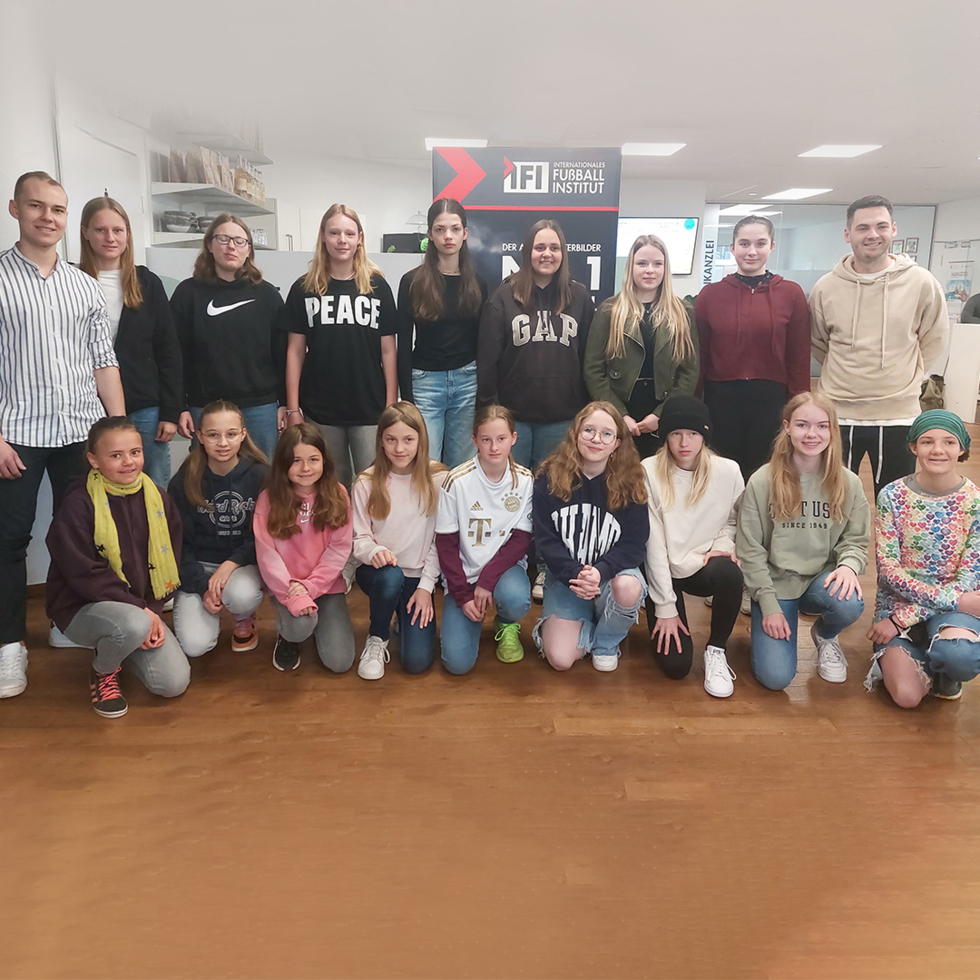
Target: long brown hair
x,y
428,286
204,270
379,502
668,308
317,280
624,475
132,293
785,493
331,507
196,463
522,281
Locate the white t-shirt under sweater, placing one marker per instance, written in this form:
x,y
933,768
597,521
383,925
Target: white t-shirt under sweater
x,y
111,283
682,536
483,513
407,532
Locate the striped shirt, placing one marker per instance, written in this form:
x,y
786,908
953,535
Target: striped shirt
x,y
54,333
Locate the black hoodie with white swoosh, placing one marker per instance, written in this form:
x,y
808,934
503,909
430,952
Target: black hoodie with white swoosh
x,y
230,341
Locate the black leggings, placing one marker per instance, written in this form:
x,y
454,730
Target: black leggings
x,y
745,419
720,578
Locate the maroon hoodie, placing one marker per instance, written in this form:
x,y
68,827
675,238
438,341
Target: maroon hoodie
x,y
760,333
79,574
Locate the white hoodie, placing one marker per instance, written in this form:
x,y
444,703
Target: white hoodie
x,y
875,335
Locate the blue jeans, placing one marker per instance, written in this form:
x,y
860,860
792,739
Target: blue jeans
x,y
536,441
388,591
605,622
461,636
156,455
958,659
774,661
447,401
262,422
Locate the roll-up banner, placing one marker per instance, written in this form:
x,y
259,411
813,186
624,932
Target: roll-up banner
x,y
506,189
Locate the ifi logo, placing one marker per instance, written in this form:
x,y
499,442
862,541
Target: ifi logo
x,y
526,176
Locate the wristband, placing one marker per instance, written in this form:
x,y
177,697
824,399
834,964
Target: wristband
x,y
891,619
294,411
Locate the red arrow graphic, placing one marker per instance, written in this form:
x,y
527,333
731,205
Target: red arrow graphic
x,y
468,173
508,167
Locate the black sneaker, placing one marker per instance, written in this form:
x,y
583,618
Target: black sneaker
x,y
943,686
107,699
286,655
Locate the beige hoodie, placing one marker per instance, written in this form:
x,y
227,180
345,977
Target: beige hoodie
x,y
875,337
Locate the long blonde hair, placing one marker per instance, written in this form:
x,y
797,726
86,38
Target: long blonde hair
x,y
624,474
668,309
317,280
664,466
785,493
132,293
379,502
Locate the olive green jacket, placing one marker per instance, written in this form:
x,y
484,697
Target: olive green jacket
x,y
612,379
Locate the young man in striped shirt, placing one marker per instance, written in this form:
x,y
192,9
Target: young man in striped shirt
x,y
58,375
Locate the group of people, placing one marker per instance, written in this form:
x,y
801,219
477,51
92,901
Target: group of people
x,y
334,437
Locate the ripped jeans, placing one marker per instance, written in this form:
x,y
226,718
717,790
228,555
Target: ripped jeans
x,y
958,659
605,622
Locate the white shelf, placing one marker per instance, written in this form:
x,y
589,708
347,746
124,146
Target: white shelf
x,y
186,239
185,196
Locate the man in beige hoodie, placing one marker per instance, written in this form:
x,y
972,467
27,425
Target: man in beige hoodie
x,y
877,322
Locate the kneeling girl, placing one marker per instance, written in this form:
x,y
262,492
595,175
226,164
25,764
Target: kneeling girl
x,y
590,527
303,534
115,551
394,507
694,496
927,613
483,530
803,531
215,491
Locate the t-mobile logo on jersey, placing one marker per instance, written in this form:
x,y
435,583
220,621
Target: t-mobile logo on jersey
x,y
479,530
526,176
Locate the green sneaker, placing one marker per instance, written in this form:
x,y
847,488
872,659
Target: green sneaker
x,y
508,637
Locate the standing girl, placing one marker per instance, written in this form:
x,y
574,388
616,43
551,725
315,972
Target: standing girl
x,y
643,346
341,370
215,491
927,613
803,531
483,530
591,526
115,551
143,331
754,328
226,321
439,307
394,505
303,535
694,496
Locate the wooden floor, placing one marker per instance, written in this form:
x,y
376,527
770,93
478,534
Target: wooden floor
x,y
511,823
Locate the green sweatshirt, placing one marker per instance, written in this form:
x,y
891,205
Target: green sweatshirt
x,y
780,559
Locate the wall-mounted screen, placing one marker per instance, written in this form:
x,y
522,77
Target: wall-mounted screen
x,y
680,235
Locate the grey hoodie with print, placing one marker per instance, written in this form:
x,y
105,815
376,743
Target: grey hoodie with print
x,y
875,335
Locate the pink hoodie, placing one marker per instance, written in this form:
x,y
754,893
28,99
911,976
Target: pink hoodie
x,y
313,558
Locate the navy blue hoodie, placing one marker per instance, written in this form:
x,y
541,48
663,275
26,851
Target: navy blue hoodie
x,y
223,533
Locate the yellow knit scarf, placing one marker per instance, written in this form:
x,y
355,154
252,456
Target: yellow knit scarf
x,y
163,567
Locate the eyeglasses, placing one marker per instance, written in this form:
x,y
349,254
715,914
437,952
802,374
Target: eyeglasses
x,y
605,436
225,239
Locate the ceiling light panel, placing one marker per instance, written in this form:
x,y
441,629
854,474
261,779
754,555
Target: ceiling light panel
x,y
651,149
797,193
841,150
431,142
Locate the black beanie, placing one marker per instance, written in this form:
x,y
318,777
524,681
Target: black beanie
x,y
684,412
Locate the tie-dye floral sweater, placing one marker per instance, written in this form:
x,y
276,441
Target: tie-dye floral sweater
x,y
928,551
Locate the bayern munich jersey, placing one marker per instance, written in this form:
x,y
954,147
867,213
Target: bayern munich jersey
x,y
484,513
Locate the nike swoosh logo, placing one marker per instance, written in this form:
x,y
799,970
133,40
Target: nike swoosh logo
x,y
218,310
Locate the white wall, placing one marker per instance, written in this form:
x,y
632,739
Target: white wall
x,y
384,196
958,221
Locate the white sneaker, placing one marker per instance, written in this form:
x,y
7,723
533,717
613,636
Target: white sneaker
x,y
708,600
59,641
168,606
373,659
746,608
13,669
831,662
537,590
605,661
718,676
